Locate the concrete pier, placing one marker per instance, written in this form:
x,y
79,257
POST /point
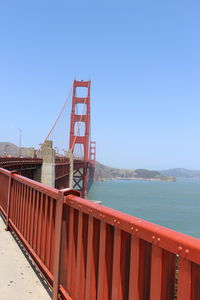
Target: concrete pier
x,y
18,280
48,165
71,168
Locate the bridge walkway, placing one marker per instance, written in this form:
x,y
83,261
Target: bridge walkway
x,y
18,278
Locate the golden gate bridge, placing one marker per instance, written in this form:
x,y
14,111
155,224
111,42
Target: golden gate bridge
x,y
87,251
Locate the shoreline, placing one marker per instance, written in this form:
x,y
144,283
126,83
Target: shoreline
x,y
138,178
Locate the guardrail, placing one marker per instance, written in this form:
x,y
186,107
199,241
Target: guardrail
x,y
88,252
29,208
6,162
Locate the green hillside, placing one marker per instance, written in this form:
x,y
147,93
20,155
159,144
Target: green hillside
x,y
108,173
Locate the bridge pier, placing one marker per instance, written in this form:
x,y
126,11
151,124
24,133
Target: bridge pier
x,y
71,168
48,165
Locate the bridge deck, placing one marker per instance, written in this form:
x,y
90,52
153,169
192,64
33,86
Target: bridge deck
x,y
18,279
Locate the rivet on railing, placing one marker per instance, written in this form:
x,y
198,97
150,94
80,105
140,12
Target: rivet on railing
x,y
100,215
187,251
103,216
132,228
180,248
153,237
136,230
115,220
118,222
158,239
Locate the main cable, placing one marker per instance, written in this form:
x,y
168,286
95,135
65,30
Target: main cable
x,y
52,128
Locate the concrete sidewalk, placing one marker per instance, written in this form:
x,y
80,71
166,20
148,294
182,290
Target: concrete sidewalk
x,y
18,280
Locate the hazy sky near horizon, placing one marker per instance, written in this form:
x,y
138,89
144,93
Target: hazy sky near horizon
x,y
143,58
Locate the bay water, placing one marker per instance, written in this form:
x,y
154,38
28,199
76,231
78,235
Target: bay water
x,y
175,205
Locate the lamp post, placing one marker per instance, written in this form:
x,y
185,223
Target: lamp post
x,y
5,149
20,140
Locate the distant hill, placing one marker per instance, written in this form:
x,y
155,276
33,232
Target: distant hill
x,y
10,149
107,173
181,172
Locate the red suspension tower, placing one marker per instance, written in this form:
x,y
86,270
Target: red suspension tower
x,y
84,117
82,168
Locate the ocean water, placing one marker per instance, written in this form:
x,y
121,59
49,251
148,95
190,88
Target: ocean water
x,y
175,205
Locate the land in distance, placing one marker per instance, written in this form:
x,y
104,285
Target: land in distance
x,y
108,173
181,172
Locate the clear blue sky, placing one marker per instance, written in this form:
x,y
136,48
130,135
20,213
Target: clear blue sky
x,y
143,58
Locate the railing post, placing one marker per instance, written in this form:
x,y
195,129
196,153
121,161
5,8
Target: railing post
x,y
9,198
58,238
58,230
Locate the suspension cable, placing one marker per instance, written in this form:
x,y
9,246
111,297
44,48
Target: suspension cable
x,y
52,128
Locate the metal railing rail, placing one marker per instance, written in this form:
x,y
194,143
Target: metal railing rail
x,y
90,252
16,162
5,160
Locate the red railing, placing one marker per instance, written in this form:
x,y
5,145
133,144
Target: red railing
x,y
4,188
7,162
87,251
29,208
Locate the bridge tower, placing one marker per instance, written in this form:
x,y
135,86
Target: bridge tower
x,y
81,137
84,117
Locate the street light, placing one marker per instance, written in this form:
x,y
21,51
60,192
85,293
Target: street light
x,y
20,140
5,149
